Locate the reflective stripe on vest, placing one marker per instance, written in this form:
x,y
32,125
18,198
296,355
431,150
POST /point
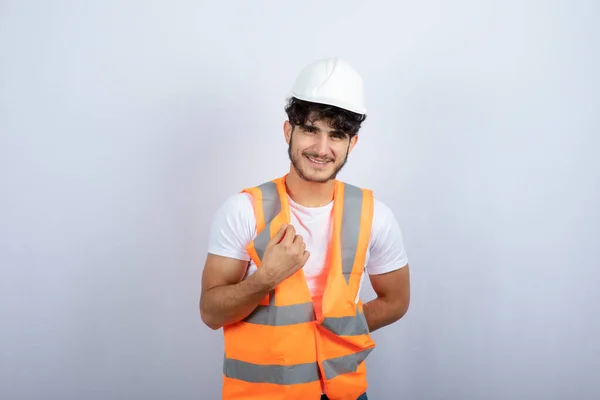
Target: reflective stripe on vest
x,y
292,374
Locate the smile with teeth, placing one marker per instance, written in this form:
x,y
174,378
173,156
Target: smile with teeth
x,y
319,162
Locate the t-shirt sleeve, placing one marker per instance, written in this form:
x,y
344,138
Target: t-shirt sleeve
x,y
387,252
233,227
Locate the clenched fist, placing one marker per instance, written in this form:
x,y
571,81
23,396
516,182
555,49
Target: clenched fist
x,y
284,255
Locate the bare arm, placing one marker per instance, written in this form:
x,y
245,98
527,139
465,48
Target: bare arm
x,y
226,297
393,298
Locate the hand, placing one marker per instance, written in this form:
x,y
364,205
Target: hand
x,y
284,255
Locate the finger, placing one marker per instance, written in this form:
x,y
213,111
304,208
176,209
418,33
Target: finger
x,y
298,246
279,235
290,234
305,257
301,247
298,239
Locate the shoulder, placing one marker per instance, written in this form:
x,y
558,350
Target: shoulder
x,y
384,223
236,211
383,218
381,209
239,202
386,245
233,227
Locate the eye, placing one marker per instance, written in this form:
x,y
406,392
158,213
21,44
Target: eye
x,y
310,129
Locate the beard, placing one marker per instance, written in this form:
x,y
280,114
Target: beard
x,y
296,159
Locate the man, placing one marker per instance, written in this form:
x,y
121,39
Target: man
x,y
287,258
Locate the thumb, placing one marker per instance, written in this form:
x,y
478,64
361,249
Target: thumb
x,y
279,235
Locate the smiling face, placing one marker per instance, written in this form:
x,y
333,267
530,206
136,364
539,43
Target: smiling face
x,y
317,151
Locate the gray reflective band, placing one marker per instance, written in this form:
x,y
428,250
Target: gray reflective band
x,y
350,227
292,374
282,315
343,365
347,326
261,241
271,205
277,374
271,202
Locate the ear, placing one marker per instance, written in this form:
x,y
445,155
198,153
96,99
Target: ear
x,y
287,130
353,141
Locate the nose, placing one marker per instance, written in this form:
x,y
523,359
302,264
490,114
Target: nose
x,y
322,145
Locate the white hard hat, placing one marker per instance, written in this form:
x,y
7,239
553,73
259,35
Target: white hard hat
x,y
331,81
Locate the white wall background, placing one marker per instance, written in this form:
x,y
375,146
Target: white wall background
x,y
124,124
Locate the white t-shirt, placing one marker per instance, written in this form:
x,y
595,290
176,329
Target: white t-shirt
x,y
234,227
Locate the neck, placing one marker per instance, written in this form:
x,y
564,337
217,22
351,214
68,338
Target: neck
x,y
309,194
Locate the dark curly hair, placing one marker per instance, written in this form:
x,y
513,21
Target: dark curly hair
x,y
298,111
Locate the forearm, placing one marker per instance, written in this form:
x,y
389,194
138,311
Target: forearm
x,y
223,305
381,312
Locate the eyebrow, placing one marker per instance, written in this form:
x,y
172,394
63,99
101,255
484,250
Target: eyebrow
x,y
332,132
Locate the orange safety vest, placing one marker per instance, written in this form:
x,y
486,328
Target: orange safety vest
x,y
282,350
